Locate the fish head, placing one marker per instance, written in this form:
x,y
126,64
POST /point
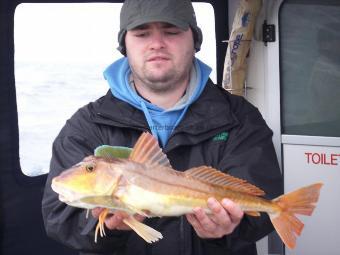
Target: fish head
x,y
92,177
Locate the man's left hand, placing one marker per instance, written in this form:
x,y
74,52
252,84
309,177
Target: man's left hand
x,y
224,218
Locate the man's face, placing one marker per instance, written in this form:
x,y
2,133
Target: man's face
x,y
160,55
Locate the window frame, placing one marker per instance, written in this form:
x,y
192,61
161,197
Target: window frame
x,y
10,134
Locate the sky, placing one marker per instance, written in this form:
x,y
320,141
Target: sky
x,y
85,32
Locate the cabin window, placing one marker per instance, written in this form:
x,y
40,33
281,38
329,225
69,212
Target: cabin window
x,y
310,67
61,51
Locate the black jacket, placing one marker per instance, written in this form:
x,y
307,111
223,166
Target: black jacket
x,y
218,130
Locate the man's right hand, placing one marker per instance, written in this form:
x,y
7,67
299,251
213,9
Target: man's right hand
x,y
115,220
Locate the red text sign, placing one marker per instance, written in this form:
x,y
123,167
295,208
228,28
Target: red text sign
x,y
318,158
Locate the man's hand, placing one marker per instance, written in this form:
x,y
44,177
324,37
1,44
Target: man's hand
x,y
115,220
225,217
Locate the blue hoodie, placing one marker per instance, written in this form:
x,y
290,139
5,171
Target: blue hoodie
x,y
161,122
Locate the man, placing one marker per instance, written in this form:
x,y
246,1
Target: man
x,y
162,88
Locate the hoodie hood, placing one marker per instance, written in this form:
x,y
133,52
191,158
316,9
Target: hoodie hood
x,y
161,122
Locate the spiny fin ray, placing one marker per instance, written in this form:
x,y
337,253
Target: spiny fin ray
x,y
147,151
212,176
100,225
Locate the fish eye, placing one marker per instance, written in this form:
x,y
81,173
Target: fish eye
x,y
89,168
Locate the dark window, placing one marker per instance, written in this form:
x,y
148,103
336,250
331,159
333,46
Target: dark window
x,y
310,67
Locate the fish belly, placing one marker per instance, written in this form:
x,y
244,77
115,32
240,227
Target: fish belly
x,y
156,204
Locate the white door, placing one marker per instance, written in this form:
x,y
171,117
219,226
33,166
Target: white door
x,y
309,39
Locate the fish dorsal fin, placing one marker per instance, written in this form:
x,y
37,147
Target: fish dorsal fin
x,y
109,152
212,176
147,151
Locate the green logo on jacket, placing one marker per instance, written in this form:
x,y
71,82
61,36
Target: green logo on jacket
x,y
221,137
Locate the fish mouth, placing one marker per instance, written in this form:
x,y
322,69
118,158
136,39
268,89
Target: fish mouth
x,y
65,195
76,203
70,198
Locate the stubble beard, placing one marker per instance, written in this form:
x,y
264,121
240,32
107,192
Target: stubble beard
x,y
161,84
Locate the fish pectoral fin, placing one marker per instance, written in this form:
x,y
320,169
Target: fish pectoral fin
x,y
109,152
149,234
147,151
252,213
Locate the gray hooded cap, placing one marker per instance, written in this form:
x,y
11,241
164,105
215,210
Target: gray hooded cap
x,y
179,13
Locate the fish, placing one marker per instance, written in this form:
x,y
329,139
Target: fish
x,y
142,181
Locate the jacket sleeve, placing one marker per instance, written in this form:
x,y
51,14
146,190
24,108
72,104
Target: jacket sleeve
x,y
64,223
249,154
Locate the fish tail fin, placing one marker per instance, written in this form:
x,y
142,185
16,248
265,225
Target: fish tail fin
x,y
301,201
288,226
